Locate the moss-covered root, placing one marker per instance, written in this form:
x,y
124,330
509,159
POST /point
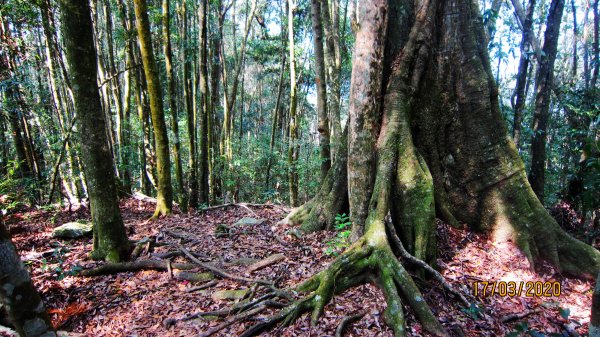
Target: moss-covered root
x,y
512,212
362,261
162,209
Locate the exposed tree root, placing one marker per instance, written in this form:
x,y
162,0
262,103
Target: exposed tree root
x,y
368,259
422,264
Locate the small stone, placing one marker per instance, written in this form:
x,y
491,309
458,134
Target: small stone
x,y
230,294
72,230
249,222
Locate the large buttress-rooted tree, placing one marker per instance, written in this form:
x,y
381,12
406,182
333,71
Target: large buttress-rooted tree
x,y
164,204
110,239
425,138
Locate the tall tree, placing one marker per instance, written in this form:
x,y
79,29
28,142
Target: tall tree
x,y
110,239
180,189
519,96
321,81
543,88
18,295
188,99
333,61
428,69
206,111
164,204
293,147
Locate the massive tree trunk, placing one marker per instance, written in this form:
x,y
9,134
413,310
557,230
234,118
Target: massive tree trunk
x,y
110,239
22,302
427,137
164,197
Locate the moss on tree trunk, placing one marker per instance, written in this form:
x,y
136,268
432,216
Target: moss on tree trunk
x,y
164,198
441,145
110,239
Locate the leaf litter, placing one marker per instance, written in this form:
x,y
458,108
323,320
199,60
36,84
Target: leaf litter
x,y
138,303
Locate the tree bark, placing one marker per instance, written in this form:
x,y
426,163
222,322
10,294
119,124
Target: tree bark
x,y
519,96
323,119
293,146
205,118
20,298
365,110
166,30
438,97
187,97
164,197
544,85
110,239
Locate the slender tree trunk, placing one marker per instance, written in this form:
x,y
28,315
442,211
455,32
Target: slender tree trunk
x,y
575,39
164,198
275,121
126,149
179,187
293,147
216,46
333,60
110,239
187,97
205,117
596,45
544,86
323,119
519,96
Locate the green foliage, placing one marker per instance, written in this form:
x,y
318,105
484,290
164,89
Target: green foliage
x,y
342,239
15,191
474,311
55,264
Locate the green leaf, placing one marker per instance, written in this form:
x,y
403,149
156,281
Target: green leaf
x,y
564,312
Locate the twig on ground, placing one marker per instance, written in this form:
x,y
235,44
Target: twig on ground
x,y
221,272
518,315
231,320
347,320
266,262
113,268
201,287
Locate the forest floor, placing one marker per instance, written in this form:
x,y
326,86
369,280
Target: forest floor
x,y
137,304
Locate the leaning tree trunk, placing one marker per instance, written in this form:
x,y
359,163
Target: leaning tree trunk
x,y
437,146
164,204
22,302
